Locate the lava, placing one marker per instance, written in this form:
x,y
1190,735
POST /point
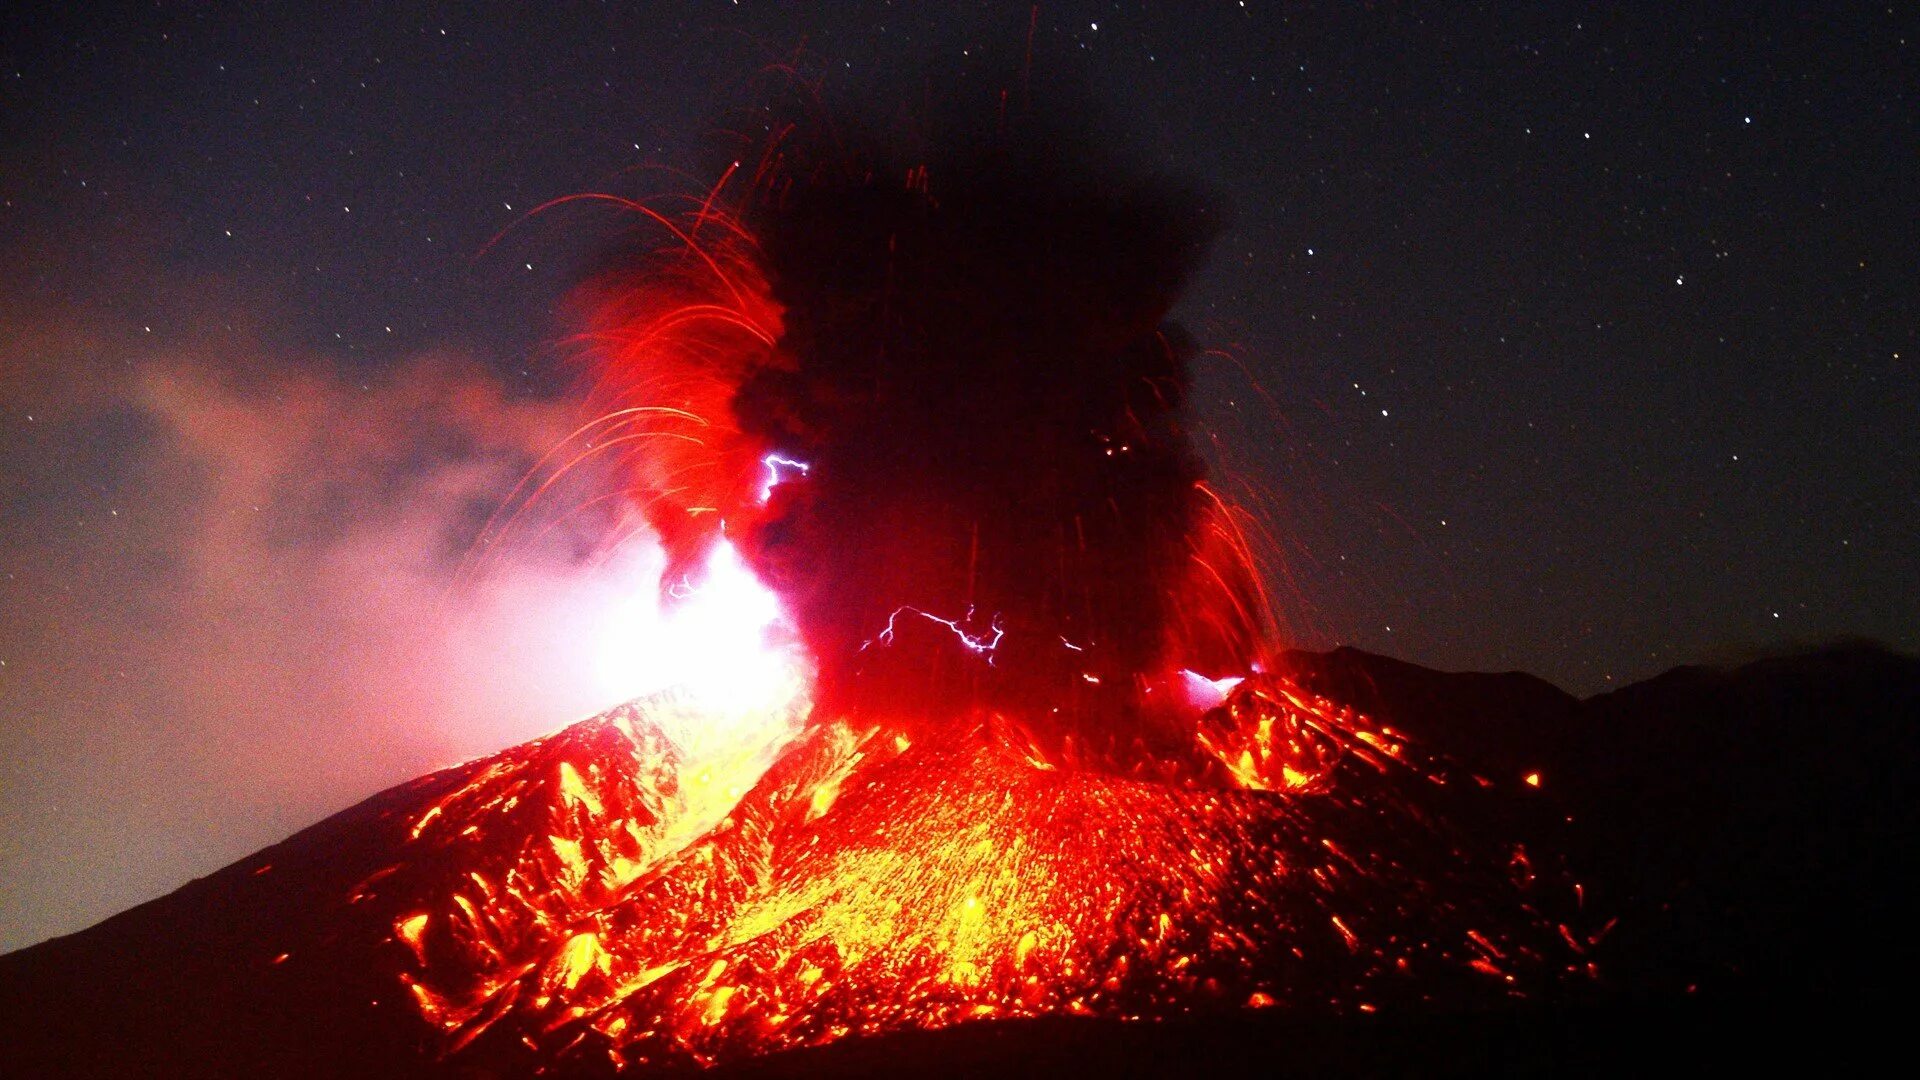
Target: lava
x,y
581,899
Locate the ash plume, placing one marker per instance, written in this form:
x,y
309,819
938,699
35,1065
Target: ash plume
x,y
981,375
229,578
968,347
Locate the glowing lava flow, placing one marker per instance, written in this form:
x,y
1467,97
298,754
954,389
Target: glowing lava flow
x,y
596,896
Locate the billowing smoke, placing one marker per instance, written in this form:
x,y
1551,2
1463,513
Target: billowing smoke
x,y
231,590
966,342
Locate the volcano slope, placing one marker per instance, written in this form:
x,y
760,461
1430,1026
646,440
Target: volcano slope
x,y
1708,864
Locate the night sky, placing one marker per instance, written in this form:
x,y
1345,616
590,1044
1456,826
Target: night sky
x,y
1554,339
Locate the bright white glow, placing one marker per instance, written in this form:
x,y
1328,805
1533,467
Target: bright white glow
x,y
1204,693
720,642
720,673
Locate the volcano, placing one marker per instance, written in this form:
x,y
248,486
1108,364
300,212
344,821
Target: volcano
x,y
1502,877
982,750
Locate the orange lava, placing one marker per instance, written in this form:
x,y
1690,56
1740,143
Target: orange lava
x,y
586,897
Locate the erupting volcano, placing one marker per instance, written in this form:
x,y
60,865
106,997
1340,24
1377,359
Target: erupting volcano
x,y
978,708
1032,753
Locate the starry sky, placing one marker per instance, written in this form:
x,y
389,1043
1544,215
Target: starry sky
x,y
1556,338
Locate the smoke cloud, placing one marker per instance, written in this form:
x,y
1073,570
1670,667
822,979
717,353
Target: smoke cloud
x,y
233,600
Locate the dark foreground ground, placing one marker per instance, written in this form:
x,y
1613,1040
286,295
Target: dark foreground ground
x,y
1818,1037
1755,829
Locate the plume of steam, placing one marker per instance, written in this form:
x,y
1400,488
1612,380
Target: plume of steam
x,y
229,578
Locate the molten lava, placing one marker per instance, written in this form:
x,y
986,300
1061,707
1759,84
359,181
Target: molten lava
x,y
602,897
